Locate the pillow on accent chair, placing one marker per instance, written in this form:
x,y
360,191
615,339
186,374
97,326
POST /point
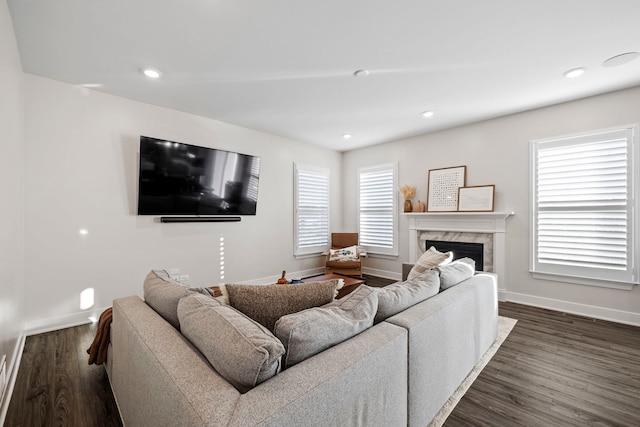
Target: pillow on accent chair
x,y
162,293
345,254
266,304
455,272
241,350
396,297
307,333
428,260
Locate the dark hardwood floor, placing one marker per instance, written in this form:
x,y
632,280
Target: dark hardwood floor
x,y
553,370
557,370
56,386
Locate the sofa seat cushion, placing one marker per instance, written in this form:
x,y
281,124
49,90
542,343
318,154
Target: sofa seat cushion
x,y
307,333
428,260
163,293
456,272
266,304
241,350
396,297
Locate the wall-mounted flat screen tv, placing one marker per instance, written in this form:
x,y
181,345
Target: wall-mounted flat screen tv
x,y
183,179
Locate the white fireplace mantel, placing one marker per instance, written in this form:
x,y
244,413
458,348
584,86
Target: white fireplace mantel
x,y
469,222
472,222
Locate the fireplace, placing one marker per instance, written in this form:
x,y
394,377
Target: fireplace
x,y
486,228
475,251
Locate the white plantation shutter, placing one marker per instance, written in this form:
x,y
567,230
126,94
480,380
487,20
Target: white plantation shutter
x,y
311,209
252,188
377,209
583,221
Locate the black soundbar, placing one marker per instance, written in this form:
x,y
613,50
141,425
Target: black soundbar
x,y
199,218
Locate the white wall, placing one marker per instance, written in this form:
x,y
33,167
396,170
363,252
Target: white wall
x,y
11,182
497,152
81,172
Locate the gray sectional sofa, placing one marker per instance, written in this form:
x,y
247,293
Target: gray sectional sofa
x,y
397,372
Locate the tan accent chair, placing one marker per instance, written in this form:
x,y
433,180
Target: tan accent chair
x,y
350,268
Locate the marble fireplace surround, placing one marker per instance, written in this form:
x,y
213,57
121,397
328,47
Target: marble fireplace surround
x,y
488,228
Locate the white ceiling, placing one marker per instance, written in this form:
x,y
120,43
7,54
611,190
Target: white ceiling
x,y
286,66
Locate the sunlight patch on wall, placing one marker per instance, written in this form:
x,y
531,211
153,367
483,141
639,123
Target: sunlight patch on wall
x,y
87,298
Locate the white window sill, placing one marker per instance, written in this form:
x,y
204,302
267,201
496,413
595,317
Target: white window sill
x,y
383,256
626,286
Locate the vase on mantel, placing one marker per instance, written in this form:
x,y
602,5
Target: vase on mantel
x,y
418,207
408,206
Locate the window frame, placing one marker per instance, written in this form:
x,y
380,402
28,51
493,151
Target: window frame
x,y
302,251
624,279
380,251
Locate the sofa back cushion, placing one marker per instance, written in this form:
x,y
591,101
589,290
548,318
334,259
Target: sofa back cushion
x,y
455,272
266,304
163,293
307,333
394,298
241,350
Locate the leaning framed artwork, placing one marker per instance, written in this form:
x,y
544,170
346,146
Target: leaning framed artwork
x,y
442,195
479,198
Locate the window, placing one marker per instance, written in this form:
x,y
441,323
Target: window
x,y
311,206
585,208
252,188
377,209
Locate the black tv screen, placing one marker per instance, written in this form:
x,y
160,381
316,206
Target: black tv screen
x,y
183,179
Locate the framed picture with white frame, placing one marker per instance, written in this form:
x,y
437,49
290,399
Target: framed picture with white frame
x,y
479,198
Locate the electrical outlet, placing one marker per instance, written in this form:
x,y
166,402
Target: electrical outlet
x,y
174,271
184,278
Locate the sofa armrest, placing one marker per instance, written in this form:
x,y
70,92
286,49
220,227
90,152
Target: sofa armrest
x,y
158,377
460,323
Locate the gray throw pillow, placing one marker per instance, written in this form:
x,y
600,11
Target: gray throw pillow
x,y
307,333
394,298
266,304
163,293
241,350
456,272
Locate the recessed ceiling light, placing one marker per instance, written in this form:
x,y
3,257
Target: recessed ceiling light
x,y
574,72
152,73
361,73
427,114
347,136
623,58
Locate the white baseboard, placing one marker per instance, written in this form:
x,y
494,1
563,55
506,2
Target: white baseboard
x,y
12,374
60,322
618,316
